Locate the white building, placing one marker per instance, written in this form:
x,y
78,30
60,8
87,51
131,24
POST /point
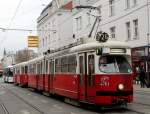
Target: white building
x,y
125,20
55,25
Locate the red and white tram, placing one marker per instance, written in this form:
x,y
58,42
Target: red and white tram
x,y
92,72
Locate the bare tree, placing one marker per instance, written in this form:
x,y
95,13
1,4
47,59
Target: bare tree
x,y
24,55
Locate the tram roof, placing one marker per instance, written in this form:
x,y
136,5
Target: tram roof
x,y
21,64
36,59
96,44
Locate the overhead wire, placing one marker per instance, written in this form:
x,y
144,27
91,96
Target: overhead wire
x,y
15,13
11,21
62,22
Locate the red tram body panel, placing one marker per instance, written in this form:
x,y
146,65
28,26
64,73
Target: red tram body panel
x,y
23,80
66,85
108,93
18,79
32,81
46,83
15,79
40,82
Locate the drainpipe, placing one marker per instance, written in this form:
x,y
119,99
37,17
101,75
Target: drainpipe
x,y
148,22
148,34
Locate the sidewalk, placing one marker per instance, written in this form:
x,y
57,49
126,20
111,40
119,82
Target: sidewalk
x,y
137,87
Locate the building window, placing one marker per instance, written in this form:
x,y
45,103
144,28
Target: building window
x,y
135,28
134,2
112,7
89,19
113,32
79,23
43,42
127,4
128,28
46,41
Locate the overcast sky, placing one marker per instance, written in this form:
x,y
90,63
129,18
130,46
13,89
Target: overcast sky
x,y
24,18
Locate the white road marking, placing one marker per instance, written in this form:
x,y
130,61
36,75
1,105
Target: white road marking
x,y
35,97
28,94
44,101
25,112
73,113
58,107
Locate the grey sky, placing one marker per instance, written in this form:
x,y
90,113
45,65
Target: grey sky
x,y
25,18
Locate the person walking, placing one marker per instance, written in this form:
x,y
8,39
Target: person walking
x,y
142,77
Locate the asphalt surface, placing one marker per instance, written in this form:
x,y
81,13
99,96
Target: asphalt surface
x,y
17,100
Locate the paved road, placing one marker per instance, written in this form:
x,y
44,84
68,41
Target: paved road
x,y
17,100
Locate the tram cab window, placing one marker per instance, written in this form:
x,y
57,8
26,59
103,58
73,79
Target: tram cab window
x,y
114,64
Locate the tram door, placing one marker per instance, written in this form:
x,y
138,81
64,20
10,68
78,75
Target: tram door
x,y
51,72
82,72
90,76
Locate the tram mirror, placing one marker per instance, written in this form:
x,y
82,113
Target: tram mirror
x,y
99,51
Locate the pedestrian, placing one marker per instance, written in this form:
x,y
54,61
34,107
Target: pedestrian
x,y
142,77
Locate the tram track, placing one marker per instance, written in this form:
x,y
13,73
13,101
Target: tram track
x,y
20,98
126,110
5,111
138,112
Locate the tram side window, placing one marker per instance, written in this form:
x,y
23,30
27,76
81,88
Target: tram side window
x,y
58,65
81,68
46,67
34,68
64,64
38,68
18,71
26,69
22,70
72,64
31,69
81,65
41,68
51,67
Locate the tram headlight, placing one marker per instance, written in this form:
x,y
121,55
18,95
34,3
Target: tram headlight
x,y
120,87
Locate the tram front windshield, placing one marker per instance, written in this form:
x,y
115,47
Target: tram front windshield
x,y
114,64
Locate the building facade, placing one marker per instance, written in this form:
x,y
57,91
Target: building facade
x,y
55,25
123,20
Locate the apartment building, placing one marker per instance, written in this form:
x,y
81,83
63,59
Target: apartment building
x,y
55,25
123,20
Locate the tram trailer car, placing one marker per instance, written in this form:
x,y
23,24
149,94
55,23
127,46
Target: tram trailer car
x,y
20,76
94,73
